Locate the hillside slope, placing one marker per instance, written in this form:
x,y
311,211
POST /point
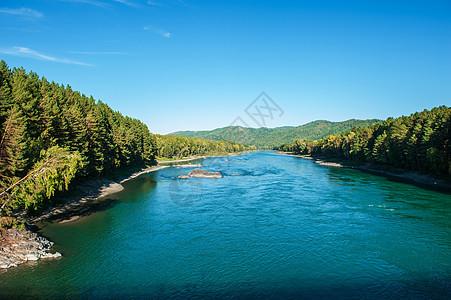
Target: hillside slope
x,y
272,137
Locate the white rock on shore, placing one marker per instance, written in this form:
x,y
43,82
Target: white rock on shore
x,y
18,246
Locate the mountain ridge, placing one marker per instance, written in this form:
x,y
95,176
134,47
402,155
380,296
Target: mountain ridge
x,y
265,137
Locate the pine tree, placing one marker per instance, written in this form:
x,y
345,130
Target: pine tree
x,y
6,99
53,172
13,146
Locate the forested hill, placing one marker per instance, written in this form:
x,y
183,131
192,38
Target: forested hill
x,y
419,142
273,137
171,146
50,134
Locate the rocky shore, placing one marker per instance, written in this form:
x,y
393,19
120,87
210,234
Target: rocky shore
x,y
19,246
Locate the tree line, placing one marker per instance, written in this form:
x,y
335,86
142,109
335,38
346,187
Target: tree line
x,y
51,134
171,146
419,142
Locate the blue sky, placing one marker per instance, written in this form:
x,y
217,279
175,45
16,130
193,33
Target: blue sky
x,y
192,65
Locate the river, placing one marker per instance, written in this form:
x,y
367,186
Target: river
x,y
274,226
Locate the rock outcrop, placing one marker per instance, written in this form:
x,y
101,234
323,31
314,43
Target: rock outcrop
x,y
18,246
202,174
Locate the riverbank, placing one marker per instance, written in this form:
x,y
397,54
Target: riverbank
x,y
20,246
89,192
421,180
162,161
95,189
180,160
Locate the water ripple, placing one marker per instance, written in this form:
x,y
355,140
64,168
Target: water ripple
x,y
283,228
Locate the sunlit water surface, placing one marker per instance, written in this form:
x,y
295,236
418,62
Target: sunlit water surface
x,y
274,226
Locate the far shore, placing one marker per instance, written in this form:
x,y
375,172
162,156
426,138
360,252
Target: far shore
x,y
197,157
421,180
180,160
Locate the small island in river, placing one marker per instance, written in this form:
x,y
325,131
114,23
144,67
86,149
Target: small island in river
x,y
202,174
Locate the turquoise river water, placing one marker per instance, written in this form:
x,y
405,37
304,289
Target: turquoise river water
x,y
273,227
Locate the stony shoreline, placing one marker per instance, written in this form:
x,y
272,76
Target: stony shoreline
x,y
19,246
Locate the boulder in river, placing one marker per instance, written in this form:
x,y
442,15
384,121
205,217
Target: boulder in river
x,y
202,174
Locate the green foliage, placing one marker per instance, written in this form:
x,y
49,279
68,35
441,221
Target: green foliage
x,y
53,172
51,135
13,147
40,118
419,142
171,146
274,137
41,115
10,222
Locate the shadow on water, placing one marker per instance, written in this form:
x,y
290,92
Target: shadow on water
x,y
445,189
406,289
403,198
134,189
83,211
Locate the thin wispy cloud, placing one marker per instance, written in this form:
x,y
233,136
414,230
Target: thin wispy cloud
x,y
159,31
126,2
103,3
166,2
97,52
23,11
26,52
90,2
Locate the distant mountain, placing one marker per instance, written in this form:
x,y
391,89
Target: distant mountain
x,y
271,137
